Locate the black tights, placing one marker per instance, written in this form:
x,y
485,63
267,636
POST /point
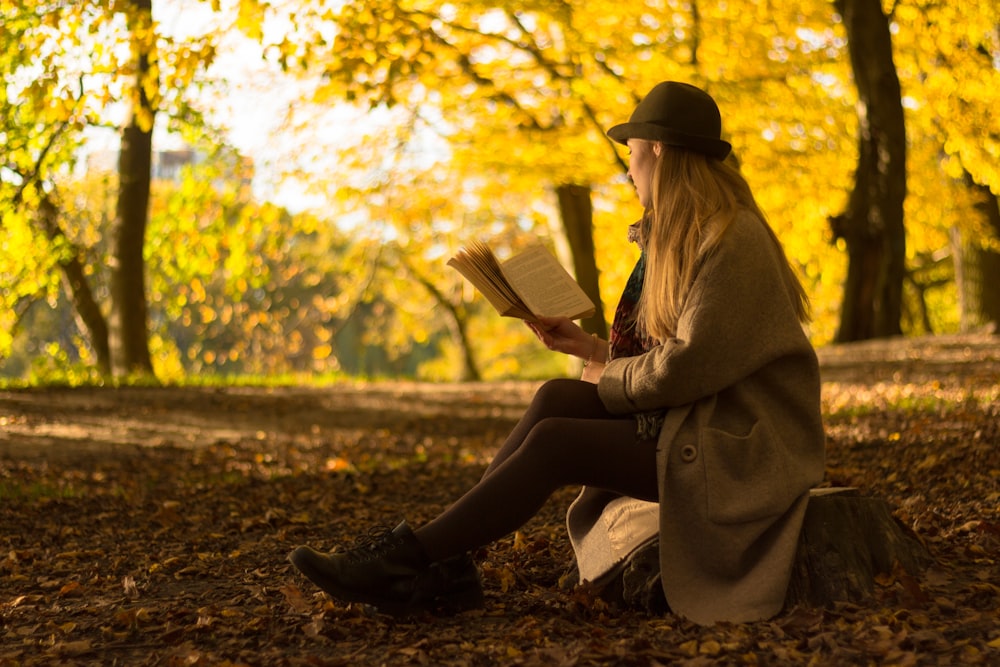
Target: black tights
x,y
565,437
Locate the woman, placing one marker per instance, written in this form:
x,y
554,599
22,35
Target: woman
x,y
704,406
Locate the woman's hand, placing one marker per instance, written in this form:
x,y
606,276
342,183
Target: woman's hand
x,y
561,334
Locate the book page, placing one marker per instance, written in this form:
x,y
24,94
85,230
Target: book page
x,y
480,267
545,286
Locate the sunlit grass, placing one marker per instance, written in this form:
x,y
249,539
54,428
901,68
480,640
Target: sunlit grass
x,y
251,380
37,491
852,399
194,380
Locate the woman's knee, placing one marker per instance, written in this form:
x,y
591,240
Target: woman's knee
x,y
554,387
560,396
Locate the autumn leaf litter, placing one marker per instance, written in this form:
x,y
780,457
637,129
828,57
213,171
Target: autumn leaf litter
x,y
150,526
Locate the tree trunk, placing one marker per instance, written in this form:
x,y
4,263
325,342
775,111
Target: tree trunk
x,y
457,323
977,267
90,318
872,225
470,367
577,214
129,317
847,541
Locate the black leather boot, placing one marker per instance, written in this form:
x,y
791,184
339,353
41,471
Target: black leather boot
x,y
389,570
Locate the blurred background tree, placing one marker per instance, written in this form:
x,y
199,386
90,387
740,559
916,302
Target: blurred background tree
x,y
409,128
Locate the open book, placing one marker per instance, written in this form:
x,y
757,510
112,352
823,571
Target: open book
x,y
529,285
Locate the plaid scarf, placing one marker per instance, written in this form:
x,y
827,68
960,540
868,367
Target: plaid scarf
x,y
627,340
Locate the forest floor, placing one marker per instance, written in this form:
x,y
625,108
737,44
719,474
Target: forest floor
x,y
150,526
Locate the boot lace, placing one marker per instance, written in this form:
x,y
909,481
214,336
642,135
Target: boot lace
x,y
374,544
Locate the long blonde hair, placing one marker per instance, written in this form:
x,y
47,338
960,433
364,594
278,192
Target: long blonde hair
x,y
694,199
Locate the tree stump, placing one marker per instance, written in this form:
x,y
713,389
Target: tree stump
x,y
848,540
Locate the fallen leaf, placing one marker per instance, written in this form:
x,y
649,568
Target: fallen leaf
x,y
295,599
73,648
72,589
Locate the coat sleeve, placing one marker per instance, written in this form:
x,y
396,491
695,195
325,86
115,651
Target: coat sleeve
x,y
739,316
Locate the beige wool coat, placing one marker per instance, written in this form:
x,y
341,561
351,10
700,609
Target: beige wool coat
x,y
741,445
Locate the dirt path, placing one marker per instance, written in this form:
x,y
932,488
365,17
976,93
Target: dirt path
x,y
952,360
71,422
54,422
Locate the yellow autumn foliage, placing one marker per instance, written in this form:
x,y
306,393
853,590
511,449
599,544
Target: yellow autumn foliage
x,y
461,120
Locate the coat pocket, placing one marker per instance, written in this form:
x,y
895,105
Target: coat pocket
x,y
746,476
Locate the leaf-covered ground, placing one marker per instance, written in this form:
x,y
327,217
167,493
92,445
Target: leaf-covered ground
x,y
151,526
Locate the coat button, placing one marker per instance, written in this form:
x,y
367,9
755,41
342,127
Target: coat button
x,y
689,453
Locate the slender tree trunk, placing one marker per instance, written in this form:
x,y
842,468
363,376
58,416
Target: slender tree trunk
x,y
977,266
577,214
459,327
129,316
872,225
90,318
457,323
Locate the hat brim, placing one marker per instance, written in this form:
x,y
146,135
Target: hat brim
x,y
710,146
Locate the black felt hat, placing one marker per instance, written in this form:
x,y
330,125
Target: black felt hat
x,y
676,114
